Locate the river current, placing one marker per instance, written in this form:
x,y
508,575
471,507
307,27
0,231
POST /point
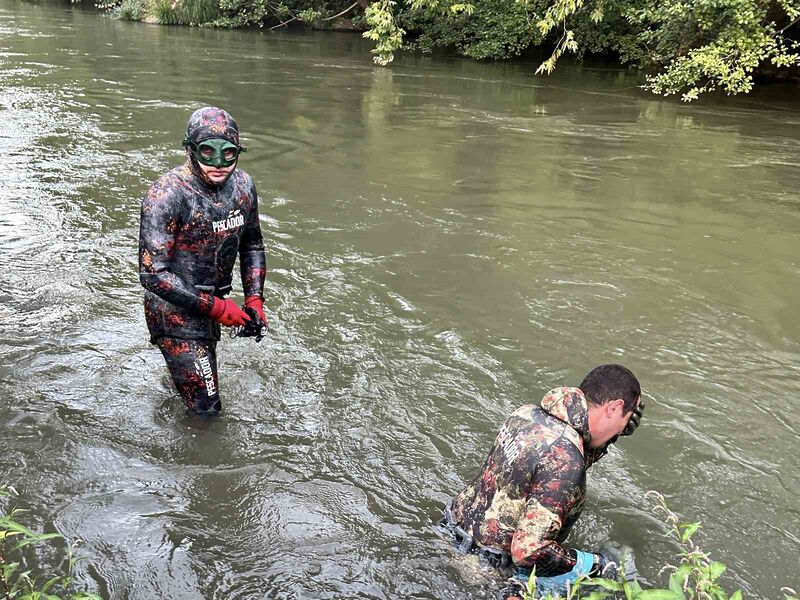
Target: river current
x,y
446,240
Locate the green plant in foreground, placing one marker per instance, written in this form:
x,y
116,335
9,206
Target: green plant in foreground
x,y
695,577
19,584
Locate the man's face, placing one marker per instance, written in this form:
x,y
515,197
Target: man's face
x,y
216,175
216,157
609,419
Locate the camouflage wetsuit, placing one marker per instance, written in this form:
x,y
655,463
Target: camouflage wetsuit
x,y
533,485
191,233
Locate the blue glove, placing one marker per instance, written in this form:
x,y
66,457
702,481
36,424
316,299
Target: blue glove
x,y
557,585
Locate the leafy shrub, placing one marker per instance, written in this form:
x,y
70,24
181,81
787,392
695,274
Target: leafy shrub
x,y
198,12
132,10
490,29
21,583
165,12
694,577
185,12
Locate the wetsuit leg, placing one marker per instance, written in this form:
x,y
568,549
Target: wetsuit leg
x,y
192,365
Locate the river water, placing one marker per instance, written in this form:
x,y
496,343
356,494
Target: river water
x,y
447,240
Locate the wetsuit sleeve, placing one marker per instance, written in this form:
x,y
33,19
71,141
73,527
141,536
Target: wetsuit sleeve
x,y
159,223
555,488
252,259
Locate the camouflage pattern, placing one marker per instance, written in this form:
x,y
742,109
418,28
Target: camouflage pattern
x,y
192,365
190,235
532,487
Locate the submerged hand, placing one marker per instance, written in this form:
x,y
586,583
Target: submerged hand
x,y
615,561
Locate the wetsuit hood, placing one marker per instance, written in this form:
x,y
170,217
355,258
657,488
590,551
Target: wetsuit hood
x,y
569,404
212,122
208,123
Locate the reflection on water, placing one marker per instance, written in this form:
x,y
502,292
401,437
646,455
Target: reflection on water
x,y
447,240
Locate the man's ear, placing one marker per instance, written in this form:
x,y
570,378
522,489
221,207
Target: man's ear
x,y
614,405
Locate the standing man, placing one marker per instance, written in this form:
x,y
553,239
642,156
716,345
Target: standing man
x,y
520,508
195,220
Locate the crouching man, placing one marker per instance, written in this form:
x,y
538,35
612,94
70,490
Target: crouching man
x,y
520,508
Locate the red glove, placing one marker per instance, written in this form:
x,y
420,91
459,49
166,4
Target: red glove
x,y
227,313
256,303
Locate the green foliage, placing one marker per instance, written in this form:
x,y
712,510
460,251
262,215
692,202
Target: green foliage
x,y
240,13
690,47
110,5
243,13
309,15
723,45
699,45
696,45
131,10
21,583
484,29
164,12
197,12
695,577
184,12
383,30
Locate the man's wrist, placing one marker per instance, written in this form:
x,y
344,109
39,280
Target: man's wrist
x,y
250,301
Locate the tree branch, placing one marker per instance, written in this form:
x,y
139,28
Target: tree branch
x,y
346,10
789,25
282,24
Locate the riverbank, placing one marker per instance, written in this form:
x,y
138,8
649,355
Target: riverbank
x,y
698,49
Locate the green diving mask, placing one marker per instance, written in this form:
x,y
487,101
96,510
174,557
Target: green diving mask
x,y
215,152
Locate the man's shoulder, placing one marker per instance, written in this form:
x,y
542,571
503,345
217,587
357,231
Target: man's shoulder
x,y
242,177
548,430
174,180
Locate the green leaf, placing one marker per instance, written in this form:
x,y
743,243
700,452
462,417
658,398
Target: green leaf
x,y
634,587
737,595
606,584
676,585
50,583
8,569
683,572
36,540
687,530
658,594
628,590
715,569
14,526
717,593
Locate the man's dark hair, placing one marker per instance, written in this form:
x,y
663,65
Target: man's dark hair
x,y
609,382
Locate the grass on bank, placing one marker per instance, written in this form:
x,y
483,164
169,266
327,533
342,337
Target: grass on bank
x,y
184,12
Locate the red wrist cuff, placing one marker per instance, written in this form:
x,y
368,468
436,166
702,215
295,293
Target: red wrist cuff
x,y
254,302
